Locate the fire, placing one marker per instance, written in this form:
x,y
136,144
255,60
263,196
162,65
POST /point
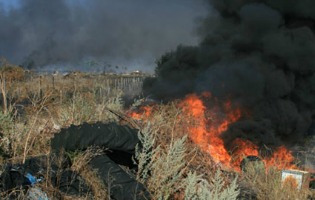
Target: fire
x,y
143,113
194,107
243,148
282,158
207,134
205,125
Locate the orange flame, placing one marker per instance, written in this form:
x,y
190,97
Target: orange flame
x,y
208,138
281,158
243,148
143,113
193,106
207,134
206,125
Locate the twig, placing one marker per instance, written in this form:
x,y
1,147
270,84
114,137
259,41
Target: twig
x,y
124,117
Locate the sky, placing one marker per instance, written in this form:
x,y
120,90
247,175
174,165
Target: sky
x,y
9,3
130,34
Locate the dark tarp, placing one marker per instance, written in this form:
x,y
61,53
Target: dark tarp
x,y
111,136
114,137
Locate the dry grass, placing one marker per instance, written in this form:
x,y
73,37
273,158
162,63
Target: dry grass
x,y
268,185
171,166
38,110
169,163
80,165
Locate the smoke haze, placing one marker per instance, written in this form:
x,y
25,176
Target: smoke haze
x,y
37,33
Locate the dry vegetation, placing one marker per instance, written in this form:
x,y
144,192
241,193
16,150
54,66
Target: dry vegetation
x,y
34,108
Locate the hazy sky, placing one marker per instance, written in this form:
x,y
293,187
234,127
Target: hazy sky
x,y
8,3
66,33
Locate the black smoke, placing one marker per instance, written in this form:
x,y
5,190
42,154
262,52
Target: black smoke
x,y
258,53
38,33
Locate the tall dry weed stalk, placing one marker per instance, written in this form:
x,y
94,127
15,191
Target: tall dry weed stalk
x,y
80,165
163,166
81,108
196,187
160,170
3,92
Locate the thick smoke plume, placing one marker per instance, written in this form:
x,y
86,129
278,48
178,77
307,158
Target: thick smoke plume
x,y
260,54
37,33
